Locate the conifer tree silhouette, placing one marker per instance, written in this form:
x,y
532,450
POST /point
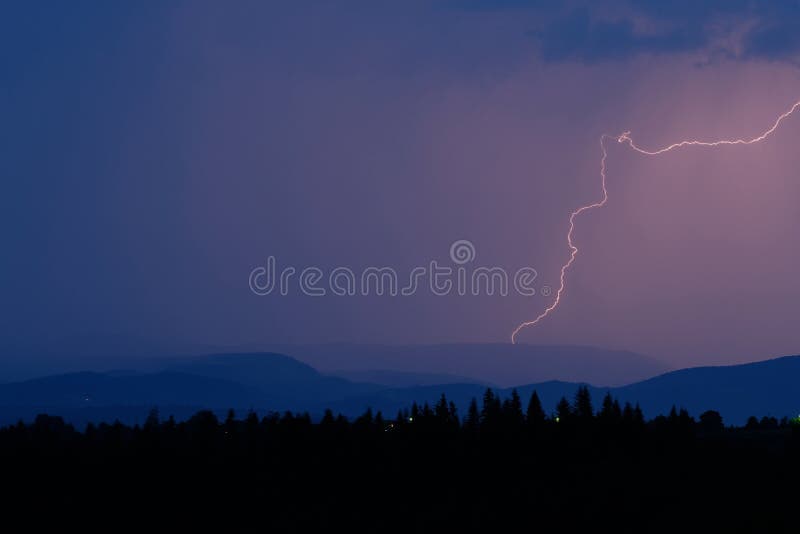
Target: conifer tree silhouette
x,y
583,404
534,416
473,419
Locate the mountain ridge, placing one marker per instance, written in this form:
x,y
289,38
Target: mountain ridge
x,y
277,382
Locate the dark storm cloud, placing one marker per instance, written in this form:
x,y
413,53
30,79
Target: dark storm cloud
x,y
597,31
778,35
580,35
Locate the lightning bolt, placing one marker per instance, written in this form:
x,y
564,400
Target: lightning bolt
x,y
625,137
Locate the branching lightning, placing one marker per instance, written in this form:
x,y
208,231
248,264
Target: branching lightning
x,y
625,137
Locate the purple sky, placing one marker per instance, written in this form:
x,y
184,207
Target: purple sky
x,y
154,159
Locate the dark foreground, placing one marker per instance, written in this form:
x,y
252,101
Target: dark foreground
x,y
499,467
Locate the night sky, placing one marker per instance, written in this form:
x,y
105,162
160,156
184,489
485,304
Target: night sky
x,y
154,153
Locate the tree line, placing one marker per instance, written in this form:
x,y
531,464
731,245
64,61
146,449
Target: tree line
x,y
505,462
492,415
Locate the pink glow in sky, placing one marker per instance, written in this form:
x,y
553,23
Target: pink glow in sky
x,y
626,138
197,142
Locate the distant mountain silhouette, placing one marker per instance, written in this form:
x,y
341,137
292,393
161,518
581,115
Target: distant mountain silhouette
x,y
285,378
80,389
83,397
268,381
768,387
736,391
502,364
399,379
262,381
499,363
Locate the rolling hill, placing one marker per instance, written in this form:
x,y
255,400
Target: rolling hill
x,y
269,381
495,363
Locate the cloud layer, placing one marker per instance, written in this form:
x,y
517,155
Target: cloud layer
x,y
597,31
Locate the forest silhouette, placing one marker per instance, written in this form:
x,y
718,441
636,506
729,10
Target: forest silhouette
x,y
505,463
